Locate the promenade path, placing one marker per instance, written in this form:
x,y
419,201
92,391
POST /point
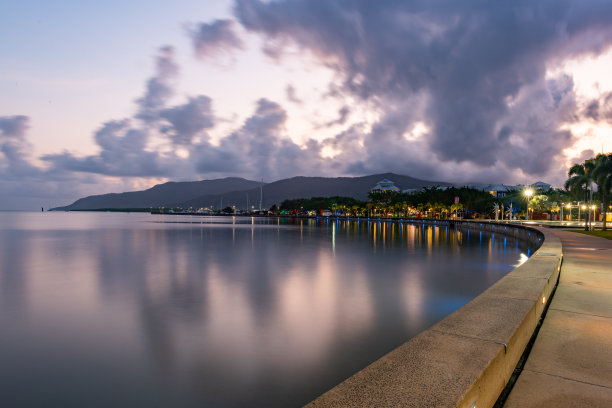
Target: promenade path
x,y
570,364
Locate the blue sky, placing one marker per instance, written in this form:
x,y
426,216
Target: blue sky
x,y
114,96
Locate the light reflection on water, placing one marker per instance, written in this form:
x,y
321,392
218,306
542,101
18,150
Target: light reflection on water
x,y
134,309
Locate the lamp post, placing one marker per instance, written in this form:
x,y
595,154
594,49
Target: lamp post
x,y
591,205
528,193
569,207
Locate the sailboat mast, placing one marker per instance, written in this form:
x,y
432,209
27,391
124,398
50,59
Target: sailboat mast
x,y
260,194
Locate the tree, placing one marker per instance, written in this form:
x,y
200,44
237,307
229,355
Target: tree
x,y
540,203
383,196
455,207
580,177
602,175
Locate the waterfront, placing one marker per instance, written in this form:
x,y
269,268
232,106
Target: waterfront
x,y
133,309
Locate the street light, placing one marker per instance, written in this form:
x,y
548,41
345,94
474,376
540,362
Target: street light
x,y
528,193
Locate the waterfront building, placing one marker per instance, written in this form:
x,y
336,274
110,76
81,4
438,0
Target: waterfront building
x,y
499,190
541,186
385,185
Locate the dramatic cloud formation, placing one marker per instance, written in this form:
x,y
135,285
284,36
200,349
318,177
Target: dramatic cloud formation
x,y
123,143
446,90
472,63
260,148
212,39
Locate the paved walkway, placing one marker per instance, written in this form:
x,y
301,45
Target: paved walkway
x,y
570,364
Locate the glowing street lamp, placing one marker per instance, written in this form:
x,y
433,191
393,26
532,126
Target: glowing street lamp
x,y
528,193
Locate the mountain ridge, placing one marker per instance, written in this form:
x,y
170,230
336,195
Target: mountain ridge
x,y
168,194
243,193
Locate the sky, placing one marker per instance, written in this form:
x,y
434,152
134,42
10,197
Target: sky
x,y
113,96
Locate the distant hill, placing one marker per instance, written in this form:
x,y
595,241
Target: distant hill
x,y
307,187
240,192
167,194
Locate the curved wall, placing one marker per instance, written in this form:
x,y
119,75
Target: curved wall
x,y
466,359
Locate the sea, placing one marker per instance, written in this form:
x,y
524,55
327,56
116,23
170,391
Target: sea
x,y
101,309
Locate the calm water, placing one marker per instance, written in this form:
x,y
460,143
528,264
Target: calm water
x,y
104,309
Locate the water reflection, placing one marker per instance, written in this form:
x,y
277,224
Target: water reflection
x,y
200,311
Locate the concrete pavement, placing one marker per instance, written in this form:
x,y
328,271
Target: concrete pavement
x,y
570,364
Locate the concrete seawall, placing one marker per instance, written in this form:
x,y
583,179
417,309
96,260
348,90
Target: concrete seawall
x,y
466,359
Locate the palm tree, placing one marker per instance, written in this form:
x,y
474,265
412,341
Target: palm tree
x,y
580,177
335,207
455,207
602,175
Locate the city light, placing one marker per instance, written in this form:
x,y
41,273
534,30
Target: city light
x,y
528,193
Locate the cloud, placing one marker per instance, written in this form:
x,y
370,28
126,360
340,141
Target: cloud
x,y
250,148
13,127
124,144
26,186
188,120
212,39
467,61
343,114
291,95
122,154
159,88
14,148
260,148
600,109
446,90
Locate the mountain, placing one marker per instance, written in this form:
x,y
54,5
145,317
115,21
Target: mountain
x,y
167,194
307,187
231,191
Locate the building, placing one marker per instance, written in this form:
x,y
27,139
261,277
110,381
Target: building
x,y
385,185
499,190
541,186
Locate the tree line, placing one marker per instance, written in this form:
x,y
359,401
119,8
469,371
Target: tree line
x,y
431,201
467,202
583,177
